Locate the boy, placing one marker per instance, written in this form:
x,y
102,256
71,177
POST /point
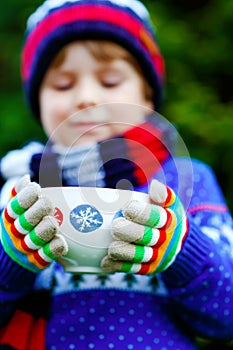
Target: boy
x,y
77,56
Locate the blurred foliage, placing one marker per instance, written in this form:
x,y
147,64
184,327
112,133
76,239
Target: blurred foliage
x,y
195,38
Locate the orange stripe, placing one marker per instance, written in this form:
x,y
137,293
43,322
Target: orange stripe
x,y
16,240
163,248
37,260
15,232
34,258
170,197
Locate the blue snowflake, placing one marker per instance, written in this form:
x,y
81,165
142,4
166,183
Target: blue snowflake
x,y
86,218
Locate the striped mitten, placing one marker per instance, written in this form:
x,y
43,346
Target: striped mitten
x,y
29,231
148,237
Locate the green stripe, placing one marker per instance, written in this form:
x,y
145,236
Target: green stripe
x,y
147,237
162,266
14,257
126,267
154,217
139,253
180,228
16,207
170,253
47,252
35,239
25,224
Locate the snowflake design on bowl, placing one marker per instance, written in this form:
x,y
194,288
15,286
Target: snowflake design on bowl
x,y
86,218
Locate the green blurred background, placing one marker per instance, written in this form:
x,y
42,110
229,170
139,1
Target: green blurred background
x,y
195,38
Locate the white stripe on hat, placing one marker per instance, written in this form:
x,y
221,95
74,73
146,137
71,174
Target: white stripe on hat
x,y
43,10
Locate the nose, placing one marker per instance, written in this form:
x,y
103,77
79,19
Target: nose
x,y
85,104
86,94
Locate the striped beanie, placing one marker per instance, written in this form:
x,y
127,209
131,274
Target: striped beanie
x,y
58,22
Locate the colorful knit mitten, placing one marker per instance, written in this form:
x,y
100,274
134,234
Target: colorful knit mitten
x,y
29,231
148,237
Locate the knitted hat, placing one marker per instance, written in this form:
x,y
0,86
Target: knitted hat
x,y
58,22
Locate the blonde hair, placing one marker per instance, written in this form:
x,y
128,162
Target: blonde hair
x,y
106,51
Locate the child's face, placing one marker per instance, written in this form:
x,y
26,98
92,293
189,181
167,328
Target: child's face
x,y
82,81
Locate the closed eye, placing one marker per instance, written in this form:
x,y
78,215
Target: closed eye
x,y
111,81
62,87
61,81
110,84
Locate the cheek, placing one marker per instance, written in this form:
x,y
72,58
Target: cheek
x,y
134,93
124,116
52,114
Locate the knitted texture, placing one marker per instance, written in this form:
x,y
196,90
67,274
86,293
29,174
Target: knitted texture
x,y
127,311
126,161
26,328
57,23
28,229
149,236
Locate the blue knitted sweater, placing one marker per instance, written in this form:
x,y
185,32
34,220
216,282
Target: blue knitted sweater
x,y
193,297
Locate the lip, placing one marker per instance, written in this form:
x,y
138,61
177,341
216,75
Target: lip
x,y
87,127
81,124
79,121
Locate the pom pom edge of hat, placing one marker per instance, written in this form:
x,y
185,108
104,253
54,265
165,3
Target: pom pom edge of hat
x,y
58,22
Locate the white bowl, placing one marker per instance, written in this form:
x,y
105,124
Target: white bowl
x,y
85,215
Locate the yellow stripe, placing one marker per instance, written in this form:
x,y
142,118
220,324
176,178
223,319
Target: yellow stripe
x,y
172,199
16,242
164,246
